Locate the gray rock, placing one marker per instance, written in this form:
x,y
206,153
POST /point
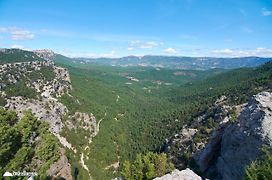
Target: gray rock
x,y
235,146
186,174
242,142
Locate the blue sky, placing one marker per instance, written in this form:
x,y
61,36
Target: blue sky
x,y
114,28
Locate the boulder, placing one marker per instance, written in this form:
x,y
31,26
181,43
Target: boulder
x,y
186,174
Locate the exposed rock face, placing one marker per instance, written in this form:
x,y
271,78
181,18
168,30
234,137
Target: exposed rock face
x,y
211,150
49,110
56,87
195,136
61,168
62,73
45,54
182,143
82,121
186,174
236,145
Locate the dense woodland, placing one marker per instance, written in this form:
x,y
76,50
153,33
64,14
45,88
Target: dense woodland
x,y
136,116
141,120
147,167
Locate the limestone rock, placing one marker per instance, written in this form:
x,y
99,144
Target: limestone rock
x,y
61,168
242,142
186,174
234,146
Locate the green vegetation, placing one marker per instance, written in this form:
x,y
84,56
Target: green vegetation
x,y
23,81
26,142
141,120
20,89
2,101
18,55
45,73
147,167
260,169
135,116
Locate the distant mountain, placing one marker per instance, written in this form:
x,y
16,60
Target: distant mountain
x,y
175,62
172,62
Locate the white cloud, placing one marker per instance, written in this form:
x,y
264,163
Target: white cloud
x,y
170,51
3,29
21,34
17,46
266,12
261,52
17,33
137,44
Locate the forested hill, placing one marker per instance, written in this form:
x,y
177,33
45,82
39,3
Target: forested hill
x,y
107,115
18,55
177,62
172,62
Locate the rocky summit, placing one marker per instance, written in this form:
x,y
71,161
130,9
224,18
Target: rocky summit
x,y
186,174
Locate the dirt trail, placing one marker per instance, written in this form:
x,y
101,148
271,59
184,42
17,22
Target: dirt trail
x,y
117,99
98,124
65,143
84,165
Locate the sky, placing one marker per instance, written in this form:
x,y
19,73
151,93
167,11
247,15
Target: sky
x,y
115,28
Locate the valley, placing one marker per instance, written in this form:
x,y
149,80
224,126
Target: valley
x,y
104,116
136,90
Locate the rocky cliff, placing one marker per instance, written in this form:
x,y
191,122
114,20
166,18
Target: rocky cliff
x,y
36,86
234,145
186,174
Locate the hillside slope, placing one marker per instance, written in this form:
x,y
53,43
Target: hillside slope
x,y
35,86
103,116
18,55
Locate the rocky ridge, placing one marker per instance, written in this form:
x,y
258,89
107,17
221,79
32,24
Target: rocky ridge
x,y
223,149
195,136
45,105
234,145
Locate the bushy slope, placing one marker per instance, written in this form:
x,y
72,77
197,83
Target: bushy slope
x,y
17,55
139,121
139,107
26,144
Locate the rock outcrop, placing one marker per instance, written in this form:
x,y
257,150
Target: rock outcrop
x,y
195,136
47,82
49,110
61,168
235,145
45,54
186,174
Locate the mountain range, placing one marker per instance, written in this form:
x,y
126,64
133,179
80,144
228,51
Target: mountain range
x,y
172,62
